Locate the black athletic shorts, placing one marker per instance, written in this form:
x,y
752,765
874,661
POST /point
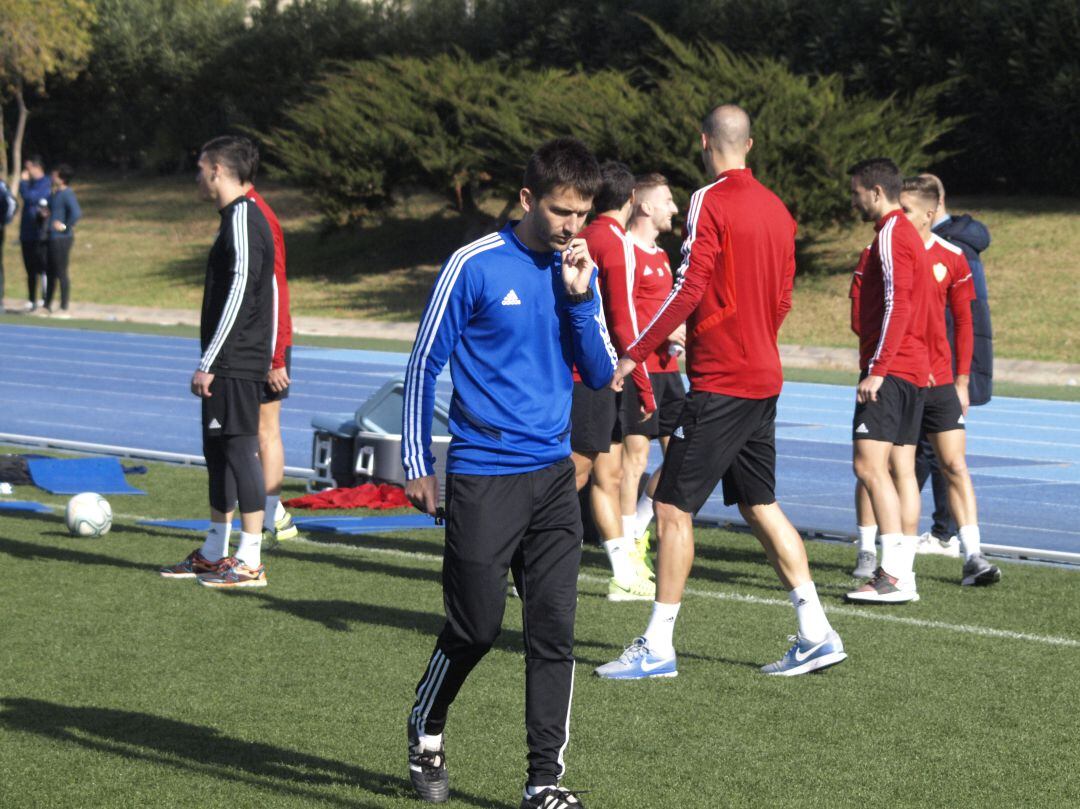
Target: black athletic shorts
x,y
895,417
233,407
593,423
269,395
942,411
669,393
721,438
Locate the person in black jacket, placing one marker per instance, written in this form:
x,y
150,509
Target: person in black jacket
x,y
972,237
236,336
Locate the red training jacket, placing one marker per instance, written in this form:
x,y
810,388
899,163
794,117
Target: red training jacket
x,y
733,289
282,334
954,287
653,281
894,302
613,253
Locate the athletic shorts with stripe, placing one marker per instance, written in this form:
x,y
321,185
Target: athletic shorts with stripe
x,y
941,410
594,422
721,438
895,417
670,394
529,524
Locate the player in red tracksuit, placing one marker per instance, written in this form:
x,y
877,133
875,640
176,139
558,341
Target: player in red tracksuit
x,y
944,411
652,282
894,359
596,437
271,451
733,292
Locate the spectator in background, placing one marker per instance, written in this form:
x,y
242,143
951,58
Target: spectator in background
x,y
34,188
972,237
64,213
8,204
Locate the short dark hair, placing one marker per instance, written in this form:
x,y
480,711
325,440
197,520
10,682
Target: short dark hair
x,y
239,154
36,159
563,162
924,186
65,172
617,187
880,171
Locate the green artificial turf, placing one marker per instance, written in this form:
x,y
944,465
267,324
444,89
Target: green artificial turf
x,y
121,689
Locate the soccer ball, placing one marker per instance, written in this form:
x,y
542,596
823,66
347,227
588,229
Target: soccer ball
x,y
88,515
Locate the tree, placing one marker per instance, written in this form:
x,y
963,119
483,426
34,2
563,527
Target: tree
x,y
41,38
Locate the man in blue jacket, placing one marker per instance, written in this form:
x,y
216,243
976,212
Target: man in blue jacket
x,y
972,237
34,188
512,313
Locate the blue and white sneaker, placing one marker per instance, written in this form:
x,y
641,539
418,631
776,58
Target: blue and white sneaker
x,y
638,663
805,657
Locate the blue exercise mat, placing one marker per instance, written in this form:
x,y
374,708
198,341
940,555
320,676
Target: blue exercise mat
x,y
24,505
75,475
338,525
366,525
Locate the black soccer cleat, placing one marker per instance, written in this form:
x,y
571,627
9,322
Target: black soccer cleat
x,y
427,770
553,798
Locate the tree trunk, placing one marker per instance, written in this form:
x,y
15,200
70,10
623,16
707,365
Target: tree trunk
x,y
17,141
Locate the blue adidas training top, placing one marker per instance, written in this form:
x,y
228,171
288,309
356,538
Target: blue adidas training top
x,y
498,313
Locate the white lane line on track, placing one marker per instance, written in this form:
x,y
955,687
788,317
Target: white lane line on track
x,y
870,614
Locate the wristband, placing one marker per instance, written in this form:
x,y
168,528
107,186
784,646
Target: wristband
x,y
580,297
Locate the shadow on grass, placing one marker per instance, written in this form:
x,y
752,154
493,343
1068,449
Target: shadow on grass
x,y
338,616
30,551
204,751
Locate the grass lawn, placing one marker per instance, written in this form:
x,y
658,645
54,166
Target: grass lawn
x,y
120,689
144,242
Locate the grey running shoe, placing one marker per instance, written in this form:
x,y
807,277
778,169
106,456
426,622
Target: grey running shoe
x,y
427,769
978,571
552,798
865,565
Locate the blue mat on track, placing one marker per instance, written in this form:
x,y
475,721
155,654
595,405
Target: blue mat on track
x,y
24,505
75,475
338,525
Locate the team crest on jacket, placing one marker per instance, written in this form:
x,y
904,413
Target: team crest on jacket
x,y
940,272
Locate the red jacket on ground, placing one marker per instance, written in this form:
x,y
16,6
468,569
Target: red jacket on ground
x,y
894,299
283,320
733,289
613,253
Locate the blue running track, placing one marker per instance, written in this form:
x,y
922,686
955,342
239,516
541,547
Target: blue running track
x,y
131,390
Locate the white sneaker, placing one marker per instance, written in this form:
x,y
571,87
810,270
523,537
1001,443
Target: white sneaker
x,y
885,589
930,544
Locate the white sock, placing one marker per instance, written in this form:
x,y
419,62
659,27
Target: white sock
x,y
813,625
892,554
898,555
431,743
250,550
644,513
216,544
629,526
622,568
659,635
868,538
970,540
270,515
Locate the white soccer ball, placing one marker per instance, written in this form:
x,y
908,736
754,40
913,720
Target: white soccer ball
x,y
88,515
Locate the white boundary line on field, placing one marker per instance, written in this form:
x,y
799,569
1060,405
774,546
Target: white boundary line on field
x,y
868,613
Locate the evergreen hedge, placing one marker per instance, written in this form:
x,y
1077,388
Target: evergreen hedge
x,y
462,127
